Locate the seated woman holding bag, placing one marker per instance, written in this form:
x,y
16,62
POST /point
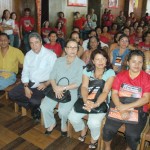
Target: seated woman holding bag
x,y
99,71
131,91
71,67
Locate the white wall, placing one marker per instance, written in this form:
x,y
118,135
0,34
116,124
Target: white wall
x,y
5,4
148,7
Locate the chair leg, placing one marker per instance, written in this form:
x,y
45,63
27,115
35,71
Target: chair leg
x,y
24,111
70,129
42,120
142,143
6,93
16,108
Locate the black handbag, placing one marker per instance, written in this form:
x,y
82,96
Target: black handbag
x,y
51,94
94,84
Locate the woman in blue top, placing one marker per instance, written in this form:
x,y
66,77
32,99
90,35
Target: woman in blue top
x,y
118,55
100,68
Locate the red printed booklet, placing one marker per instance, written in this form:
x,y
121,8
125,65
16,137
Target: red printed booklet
x,y
92,95
133,115
127,94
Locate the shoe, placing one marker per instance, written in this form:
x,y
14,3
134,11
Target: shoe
x,y
82,138
93,145
36,113
64,133
49,132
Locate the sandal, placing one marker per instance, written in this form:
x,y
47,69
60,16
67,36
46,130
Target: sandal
x,y
49,132
93,145
82,138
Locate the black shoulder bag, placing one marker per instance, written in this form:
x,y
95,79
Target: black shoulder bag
x,y
51,94
97,85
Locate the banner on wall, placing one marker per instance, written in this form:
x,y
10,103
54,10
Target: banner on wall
x,y
38,7
112,3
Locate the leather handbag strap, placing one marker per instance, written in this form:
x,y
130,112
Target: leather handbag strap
x,y
63,78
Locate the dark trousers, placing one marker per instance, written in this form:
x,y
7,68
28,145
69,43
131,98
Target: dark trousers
x,y
18,95
132,131
26,41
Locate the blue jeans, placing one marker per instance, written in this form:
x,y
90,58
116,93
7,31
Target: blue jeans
x,y
26,41
11,38
16,41
5,82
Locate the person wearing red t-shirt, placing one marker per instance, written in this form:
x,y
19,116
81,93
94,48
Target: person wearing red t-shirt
x,y
104,16
46,29
60,34
126,31
138,36
110,19
63,21
145,45
53,45
105,37
130,92
132,18
26,27
78,21
113,30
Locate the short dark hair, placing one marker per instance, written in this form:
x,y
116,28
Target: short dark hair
x,y
4,34
97,39
36,35
145,35
74,32
136,53
52,32
122,36
12,14
61,13
115,36
27,9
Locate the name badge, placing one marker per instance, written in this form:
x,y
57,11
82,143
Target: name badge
x,y
118,61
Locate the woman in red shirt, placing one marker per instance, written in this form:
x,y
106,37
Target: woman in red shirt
x,y
60,33
130,92
63,20
46,29
145,45
105,36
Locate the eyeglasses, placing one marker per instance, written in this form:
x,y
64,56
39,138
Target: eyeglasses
x,y
72,47
125,41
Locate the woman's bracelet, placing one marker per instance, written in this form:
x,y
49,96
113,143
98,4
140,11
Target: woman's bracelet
x,y
65,88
